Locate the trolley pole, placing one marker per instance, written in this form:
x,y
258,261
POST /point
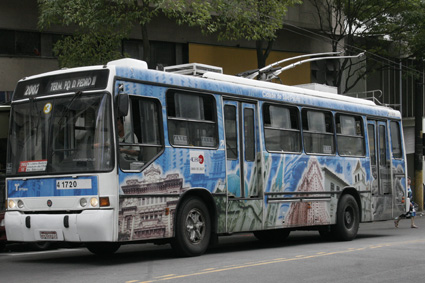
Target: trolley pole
x,y
418,194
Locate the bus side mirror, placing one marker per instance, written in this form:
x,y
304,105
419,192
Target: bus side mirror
x,y
122,103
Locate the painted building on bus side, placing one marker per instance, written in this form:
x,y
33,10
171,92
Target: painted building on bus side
x,y
145,218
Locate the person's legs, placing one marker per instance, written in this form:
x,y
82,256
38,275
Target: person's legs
x,y
412,222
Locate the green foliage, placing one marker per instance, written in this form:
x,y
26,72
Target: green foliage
x,y
100,26
386,28
412,29
236,19
87,49
257,20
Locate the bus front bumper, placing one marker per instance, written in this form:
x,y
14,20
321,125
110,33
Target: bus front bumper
x,y
87,226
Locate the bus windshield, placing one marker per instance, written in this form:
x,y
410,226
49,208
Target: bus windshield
x,y
63,134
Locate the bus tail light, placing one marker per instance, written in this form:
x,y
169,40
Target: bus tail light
x,y
104,201
402,200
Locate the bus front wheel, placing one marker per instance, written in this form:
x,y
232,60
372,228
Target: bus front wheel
x,y
348,218
193,228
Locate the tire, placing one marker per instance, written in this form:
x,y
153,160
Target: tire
x,y
103,249
192,229
348,218
272,236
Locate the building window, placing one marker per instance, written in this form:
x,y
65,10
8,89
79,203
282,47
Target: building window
x,y
20,43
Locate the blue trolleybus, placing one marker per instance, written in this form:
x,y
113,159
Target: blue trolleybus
x,y
118,154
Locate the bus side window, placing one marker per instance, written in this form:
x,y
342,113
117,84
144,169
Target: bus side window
x,y
143,139
281,128
231,132
396,140
192,119
318,132
350,135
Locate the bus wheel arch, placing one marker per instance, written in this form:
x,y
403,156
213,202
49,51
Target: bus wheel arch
x,y
194,224
348,215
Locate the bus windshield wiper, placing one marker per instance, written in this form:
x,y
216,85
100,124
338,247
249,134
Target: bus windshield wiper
x,y
34,114
66,112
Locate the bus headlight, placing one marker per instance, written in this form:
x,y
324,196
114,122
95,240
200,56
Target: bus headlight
x,y
20,204
12,204
83,202
94,202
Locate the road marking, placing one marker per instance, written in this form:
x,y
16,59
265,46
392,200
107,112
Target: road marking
x,y
273,261
165,276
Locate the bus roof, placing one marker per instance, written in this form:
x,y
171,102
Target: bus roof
x,y
286,88
132,67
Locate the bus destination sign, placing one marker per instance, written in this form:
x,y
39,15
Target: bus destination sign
x,y
71,82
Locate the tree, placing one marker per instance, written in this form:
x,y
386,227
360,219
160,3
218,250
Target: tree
x,y
413,35
101,25
371,25
257,20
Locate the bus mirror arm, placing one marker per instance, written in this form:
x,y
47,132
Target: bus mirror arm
x,y
122,104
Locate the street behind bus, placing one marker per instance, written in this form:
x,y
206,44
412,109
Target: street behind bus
x,y
381,253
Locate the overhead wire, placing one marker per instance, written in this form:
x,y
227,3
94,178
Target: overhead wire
x,y
372,56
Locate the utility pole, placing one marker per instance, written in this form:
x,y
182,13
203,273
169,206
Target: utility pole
x,y
418,194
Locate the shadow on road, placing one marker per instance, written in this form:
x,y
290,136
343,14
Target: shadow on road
x,y
140,253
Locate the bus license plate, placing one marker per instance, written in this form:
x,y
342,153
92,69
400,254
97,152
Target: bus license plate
x,y
70,184
48,235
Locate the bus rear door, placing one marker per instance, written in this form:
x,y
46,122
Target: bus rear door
x,y
245,208
381,170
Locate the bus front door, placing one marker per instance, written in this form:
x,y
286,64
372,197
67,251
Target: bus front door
x,y
381,170
244,209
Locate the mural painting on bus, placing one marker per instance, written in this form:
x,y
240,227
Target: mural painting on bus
x,y
244,214
300,173
388,205
399,184
176,171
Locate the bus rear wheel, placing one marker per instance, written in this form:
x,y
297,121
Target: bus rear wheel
x,y
348,218
193,228
103,249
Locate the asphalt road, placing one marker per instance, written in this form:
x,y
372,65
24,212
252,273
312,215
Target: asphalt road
x,y
381,253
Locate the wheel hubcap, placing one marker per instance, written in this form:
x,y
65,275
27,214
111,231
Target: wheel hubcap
x,y
348,218
195,224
